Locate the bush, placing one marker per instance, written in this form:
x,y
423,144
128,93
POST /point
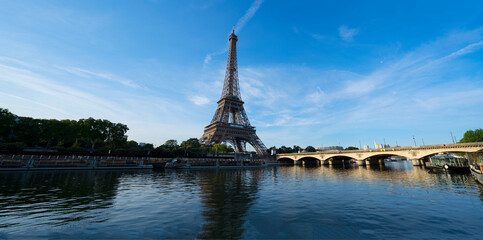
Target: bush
x,y
76,149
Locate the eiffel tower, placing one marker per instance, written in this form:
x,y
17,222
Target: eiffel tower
x,y
230,123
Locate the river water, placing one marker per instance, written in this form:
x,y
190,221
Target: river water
x,y
394,201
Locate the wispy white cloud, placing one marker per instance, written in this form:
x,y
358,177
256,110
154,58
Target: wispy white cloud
x,y
37,91
466,50
318,36
248,15
318,97
107,76
200,100
210,56
35,104
347,34
238,27
36,83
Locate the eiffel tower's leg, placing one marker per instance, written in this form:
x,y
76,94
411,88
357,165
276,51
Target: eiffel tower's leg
x,y
240,145
205,139
258,144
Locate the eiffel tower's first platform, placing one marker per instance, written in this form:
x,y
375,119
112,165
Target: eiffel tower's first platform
x,y
230,123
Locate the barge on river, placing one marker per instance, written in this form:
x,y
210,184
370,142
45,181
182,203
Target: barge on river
x,y
74,162
448,163
210,163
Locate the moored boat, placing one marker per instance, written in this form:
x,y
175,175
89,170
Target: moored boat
x,y
448,163
476,165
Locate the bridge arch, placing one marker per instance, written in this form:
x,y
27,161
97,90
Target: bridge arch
x,y
383,155
309,161
338,159
286,161
432,153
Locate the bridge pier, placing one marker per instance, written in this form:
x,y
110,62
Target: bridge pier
x,y
374,162
417,162
336,162
361,162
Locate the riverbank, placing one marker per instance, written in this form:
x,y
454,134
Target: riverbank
x,y
74,162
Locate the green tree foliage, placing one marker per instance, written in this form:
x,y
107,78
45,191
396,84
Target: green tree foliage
x,y
284,149
310,149
67,135
191,146
94,130
222,148
351,148
169,148
7,123
472,136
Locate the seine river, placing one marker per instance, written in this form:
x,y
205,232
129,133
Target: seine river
x,y
396,201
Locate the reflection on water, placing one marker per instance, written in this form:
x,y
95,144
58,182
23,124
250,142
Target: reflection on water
x,y
227,196
54,198
348,201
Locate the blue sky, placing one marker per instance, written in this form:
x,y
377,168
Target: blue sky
x,y
311,72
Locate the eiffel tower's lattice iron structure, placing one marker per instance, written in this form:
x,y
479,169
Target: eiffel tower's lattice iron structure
x,y
230,123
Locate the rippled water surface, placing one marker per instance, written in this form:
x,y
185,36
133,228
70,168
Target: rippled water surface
x,y
392,201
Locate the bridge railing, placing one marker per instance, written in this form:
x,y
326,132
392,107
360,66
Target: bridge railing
x,y
420,147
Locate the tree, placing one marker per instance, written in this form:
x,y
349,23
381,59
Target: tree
x,y
296,148
472,136
222,148
51,132
310,149
351,148
7,123
284,149
94,130
71,133
170,147
27,130
116,134
147,148
171,143
191,146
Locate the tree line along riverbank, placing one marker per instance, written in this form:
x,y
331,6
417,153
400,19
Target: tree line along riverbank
x,y
87,137
102,137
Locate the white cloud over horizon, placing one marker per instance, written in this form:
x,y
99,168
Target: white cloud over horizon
x,y
347,34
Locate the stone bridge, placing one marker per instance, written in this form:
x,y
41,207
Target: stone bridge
x,y
417,154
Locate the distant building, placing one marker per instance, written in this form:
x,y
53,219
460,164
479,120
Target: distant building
x,y
330,148
274,150
380,146
366,147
